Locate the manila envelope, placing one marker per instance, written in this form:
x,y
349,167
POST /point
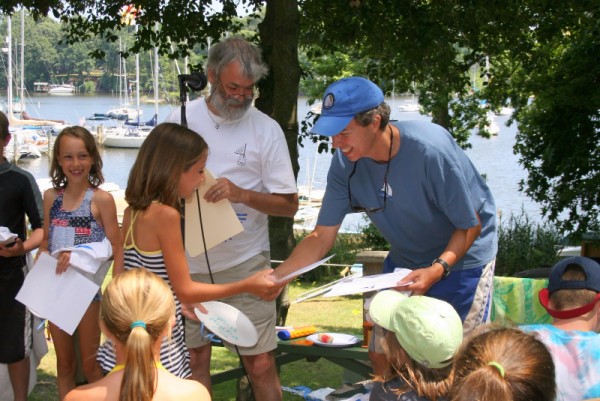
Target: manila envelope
x,y
219,221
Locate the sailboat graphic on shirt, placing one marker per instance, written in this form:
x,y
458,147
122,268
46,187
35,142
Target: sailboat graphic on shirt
x,y
241,161
385,188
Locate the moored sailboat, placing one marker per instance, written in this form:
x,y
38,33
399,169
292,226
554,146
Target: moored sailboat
x,y
133,133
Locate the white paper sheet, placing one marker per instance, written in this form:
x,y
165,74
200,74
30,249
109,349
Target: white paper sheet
x,y
302,270
6,237
358,285
62,299
218,220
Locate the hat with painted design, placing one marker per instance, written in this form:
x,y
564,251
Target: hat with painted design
x,y
343,100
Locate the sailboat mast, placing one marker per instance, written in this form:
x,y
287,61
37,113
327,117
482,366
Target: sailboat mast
x,y
120,81
156,68
22,58
137,82
126,82
156,72
9,76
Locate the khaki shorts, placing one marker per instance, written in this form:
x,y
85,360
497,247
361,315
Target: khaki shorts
x,y
261,313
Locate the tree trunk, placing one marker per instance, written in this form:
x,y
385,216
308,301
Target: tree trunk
x,y
279,33
278,98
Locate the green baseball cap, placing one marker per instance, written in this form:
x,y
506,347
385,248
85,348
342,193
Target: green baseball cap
x,y
428,329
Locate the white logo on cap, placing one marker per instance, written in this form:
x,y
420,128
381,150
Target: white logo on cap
x,y
328,101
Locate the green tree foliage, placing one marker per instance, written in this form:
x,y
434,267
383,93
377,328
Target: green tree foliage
x,y
42,56
161,24
554,86
427,47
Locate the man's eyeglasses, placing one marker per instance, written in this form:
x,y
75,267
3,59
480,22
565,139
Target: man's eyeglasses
x,y
360,209
237,92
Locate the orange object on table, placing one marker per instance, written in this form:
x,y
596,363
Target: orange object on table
x,y
302,341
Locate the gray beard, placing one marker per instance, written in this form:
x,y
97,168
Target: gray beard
x,y
228,109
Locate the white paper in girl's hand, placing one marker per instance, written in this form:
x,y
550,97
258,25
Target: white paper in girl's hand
x,y
302,270
60,298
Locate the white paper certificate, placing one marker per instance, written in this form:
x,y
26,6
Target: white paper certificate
x,y
358,285
62,299
302,270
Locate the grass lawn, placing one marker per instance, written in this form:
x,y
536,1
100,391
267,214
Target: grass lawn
x,y
342,314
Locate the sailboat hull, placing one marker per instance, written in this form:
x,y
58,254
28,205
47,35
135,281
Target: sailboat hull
x,y
125,138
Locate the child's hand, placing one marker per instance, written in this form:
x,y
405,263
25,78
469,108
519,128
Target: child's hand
x,y
63,262
262,285
13,249
187,310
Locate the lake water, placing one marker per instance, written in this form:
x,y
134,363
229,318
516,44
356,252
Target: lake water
x,y
493,157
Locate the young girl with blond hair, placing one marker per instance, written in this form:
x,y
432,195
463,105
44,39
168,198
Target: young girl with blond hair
x,y
137,311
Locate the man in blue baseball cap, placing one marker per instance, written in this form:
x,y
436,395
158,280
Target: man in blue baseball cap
x,y
572,300
420,190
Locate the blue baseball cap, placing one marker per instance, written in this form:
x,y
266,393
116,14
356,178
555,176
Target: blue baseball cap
x,y
591,269
343,100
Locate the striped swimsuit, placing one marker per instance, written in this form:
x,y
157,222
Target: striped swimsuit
x,y
173,353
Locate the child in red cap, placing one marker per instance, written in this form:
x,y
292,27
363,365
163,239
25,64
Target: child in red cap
x,y
572,300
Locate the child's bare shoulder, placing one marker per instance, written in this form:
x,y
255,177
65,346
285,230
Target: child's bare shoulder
x,y
50,193
101,195
174,388
164,211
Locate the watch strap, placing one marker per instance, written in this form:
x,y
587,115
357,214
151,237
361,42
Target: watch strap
x,y
445,265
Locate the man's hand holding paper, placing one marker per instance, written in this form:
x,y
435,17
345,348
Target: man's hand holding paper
x,y
358,285
419,281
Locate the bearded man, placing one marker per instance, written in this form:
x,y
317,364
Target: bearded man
x,y
250,157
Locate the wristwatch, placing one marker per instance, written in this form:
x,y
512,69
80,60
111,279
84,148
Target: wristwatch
x,y
444,264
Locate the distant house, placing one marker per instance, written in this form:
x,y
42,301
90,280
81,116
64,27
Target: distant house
x,y
40,87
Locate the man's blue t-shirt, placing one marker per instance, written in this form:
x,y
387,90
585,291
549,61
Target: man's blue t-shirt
x,y
433,189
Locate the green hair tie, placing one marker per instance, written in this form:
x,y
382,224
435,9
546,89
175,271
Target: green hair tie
x,y
497,366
